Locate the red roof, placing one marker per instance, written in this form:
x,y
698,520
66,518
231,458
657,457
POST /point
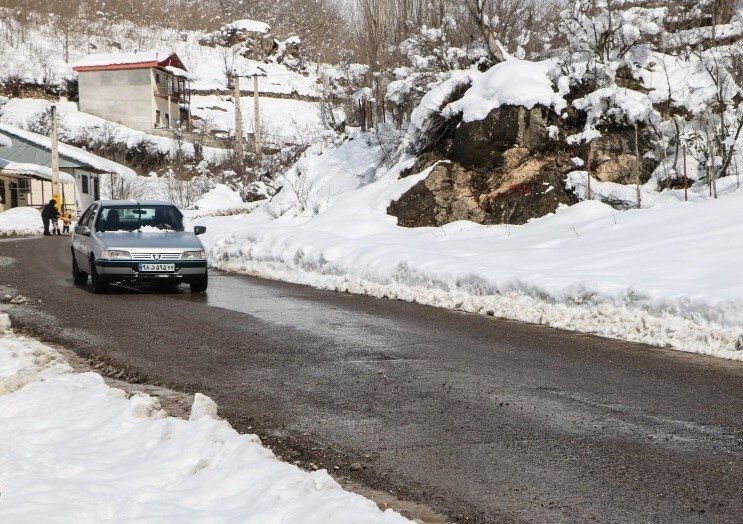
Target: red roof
x,y
115,61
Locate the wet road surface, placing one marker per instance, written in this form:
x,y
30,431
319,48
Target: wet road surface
x,y
483,419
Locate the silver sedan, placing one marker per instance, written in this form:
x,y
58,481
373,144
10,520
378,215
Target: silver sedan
x,y
137,241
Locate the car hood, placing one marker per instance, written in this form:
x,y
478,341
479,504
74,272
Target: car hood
x,y
155,241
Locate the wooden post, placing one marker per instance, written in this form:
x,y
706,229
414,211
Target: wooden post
x,y
362,113
55,160
238,119
686,180
588,171
257,138
637,168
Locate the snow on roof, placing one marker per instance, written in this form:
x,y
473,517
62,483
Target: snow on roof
x,y
254,26
5,141
20,168
93,162
136,59
177,71
513,82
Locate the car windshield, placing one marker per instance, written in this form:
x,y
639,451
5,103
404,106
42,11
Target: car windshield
x,y
139,218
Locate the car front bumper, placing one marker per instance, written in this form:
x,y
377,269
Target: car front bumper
x,y
128,270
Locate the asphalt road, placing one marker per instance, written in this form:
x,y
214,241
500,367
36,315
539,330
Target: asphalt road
x,y
483,419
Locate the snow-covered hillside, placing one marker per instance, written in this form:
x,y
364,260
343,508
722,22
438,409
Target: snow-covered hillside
x,y
665,276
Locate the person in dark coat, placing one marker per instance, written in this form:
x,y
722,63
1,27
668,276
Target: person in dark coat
x,y
48,213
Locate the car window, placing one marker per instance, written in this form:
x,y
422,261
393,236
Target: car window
x,y
139,218
87,215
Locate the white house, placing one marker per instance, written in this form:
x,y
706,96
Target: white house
x,y
26,177
142,90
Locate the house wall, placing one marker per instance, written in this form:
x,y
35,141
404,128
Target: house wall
x,y
123,96
27,152
166,105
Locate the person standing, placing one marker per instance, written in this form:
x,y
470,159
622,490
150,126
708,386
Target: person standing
x,y
48,213
66,220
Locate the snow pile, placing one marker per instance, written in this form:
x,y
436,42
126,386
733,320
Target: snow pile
x,y
76,449
513,82
219,198
252,26
666,276
21,221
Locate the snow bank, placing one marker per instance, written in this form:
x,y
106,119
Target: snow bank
x,y
77,450
666,276
513,82
21,221
219,198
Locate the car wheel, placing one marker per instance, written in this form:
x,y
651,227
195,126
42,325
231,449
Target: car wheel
x,y
79,277
100,286
200,285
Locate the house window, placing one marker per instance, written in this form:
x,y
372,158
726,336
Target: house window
x,y
85,189
167,121
157,79
2,191
96,188
157,119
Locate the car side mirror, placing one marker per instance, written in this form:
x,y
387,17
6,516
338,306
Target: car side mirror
x,y
82,230
199,230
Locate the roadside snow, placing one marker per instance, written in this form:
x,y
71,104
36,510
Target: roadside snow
x,y
666,276
219,198
77,450
21,221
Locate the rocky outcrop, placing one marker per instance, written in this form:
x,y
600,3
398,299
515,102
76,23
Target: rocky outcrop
x,y
525,188
614,158
506,168
481,144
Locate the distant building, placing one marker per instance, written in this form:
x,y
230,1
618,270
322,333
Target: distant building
x,y
26,176
144,91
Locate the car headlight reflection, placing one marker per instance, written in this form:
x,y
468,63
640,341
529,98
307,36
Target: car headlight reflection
x,y
116,254
194,255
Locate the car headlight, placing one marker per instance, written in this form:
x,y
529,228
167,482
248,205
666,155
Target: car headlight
x,y
194,255
116,254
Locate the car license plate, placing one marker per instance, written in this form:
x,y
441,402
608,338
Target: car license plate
x,y
157,268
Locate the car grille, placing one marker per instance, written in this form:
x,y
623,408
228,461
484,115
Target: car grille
x,y
156,256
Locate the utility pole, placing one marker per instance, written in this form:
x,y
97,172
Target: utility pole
x,y
588,171
257,133
637,168
55,160
257,139
686,179
238,119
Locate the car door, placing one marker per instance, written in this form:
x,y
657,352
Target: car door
x,y
82,243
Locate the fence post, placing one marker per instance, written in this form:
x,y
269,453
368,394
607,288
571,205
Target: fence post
x,y
588,171
686,180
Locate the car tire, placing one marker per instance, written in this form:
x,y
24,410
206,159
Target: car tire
x,y
79,277
100,285
200,285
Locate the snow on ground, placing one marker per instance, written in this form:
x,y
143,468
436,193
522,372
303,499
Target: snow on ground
x,y
284,119
21,221
666,276
77,450
219,198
